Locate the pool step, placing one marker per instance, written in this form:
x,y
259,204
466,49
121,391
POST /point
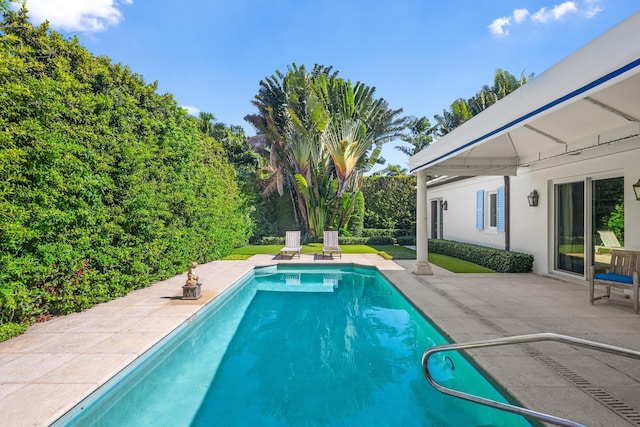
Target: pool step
x,y
293,282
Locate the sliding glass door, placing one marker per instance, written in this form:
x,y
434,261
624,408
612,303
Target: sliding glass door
x,y
588,224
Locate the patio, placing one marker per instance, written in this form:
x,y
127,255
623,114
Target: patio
x,y
58,363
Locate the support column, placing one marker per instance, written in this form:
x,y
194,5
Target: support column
x,y
422,266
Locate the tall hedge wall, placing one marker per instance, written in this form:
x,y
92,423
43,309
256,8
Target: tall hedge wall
x,y
105,185
390,202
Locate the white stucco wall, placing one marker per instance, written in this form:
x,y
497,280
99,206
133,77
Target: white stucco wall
x,y
459,220
532,228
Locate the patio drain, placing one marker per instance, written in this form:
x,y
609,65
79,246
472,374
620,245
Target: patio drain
x,y
614,404
604,397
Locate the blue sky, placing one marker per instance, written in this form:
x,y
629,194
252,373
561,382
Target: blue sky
x,y
420,55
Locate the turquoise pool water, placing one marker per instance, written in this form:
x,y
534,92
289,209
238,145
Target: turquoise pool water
x,y
296,346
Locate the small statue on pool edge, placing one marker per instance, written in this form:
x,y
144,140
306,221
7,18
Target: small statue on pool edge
x,y
192,277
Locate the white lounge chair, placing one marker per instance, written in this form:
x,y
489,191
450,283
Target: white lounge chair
x,y
330,244
291,244
609,240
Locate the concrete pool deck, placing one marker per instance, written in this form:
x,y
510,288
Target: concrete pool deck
x,y
55,364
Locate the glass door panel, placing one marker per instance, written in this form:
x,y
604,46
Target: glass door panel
x,y
608,218
435,212
569,241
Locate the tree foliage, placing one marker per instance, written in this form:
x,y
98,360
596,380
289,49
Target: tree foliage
x,y
390,202
391,170
106,186
462,109
420,135
320,133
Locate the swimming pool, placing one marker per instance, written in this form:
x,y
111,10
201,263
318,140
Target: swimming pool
x,y
296,345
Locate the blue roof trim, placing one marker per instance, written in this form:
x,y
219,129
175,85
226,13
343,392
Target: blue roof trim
x,y
539,110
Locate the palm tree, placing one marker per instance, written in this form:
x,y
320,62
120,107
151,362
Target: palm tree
x,y
360,125
458,113
391,170
282,115
320,131
420,135
462,110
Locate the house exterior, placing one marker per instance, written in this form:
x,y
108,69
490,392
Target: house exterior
x,y
569,138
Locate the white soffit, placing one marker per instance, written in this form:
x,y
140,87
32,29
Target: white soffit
x,y
593,91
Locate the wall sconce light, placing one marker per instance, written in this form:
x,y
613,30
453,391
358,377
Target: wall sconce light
x,y
636,189
533,198
445,205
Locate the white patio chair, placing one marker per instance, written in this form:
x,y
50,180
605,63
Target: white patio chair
x,y
291,244
330,244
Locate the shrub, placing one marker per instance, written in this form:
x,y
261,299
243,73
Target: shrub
x,y
381,240
10,330
387,232
406,240
496,259
344,240
377,232
272,240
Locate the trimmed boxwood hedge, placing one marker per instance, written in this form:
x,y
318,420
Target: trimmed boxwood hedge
x,y
343,240
374,240
406,240
496,259
387,232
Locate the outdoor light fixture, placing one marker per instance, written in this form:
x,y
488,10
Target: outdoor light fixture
x,y
445,205
636,189
533,197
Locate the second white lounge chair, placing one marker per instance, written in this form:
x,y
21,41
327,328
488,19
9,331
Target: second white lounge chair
x,y
330,244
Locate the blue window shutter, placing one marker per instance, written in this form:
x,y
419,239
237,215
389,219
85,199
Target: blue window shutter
x,y
500,211
480,210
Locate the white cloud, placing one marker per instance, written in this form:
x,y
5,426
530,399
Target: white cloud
x,y
586,8
592,8
556,13
497,27
520,15
194,111
77,15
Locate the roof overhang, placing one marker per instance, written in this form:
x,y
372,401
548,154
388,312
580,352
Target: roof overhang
x,y
589,99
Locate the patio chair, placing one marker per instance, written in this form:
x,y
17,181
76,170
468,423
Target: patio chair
x,y
609,240
330,244
291,244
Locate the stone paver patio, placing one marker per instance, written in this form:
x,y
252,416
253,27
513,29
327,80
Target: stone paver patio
x,y
54,365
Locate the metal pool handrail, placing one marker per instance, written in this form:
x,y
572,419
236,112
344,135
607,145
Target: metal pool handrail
x,y
518,339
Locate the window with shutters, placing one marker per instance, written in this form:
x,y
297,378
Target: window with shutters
x,y
490,210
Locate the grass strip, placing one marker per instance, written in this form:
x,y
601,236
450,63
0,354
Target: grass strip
x,y
454,265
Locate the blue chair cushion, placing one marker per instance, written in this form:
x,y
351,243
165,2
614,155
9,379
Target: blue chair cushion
x,y
614,277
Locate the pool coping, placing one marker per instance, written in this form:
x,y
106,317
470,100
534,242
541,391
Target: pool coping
x,y
60,362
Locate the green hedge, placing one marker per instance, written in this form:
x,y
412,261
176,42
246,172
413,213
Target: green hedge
x,y
343,240
387,232
271,240
496,259
406,240
378,240
390,202
107,186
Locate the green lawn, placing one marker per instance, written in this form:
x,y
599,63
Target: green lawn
x,y
386,251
